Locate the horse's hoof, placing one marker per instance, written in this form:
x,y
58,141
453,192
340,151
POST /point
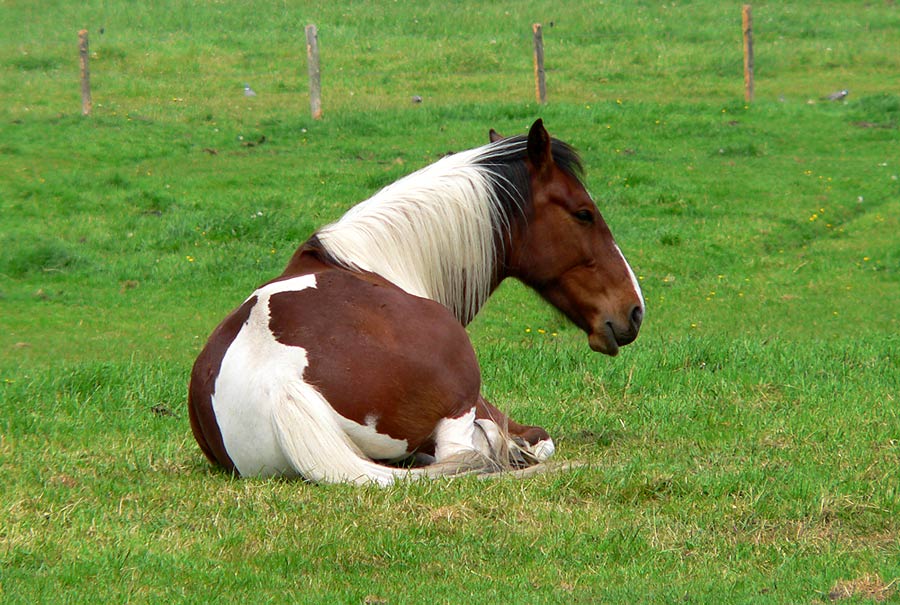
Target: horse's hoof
x,y
543,449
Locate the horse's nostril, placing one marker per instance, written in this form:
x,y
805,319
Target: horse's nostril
x,y
637,316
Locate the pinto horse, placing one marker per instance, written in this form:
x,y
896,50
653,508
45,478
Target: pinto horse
x,y
356,357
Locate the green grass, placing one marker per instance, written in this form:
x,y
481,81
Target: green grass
x,y
746,448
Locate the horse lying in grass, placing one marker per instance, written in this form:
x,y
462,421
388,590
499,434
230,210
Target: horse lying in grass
x,y
356,357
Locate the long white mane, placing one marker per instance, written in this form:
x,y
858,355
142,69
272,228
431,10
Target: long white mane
x,y
434,232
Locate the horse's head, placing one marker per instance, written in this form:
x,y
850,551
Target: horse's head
x,y
565,251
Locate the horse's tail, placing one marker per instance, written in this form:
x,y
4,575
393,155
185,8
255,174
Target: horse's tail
x,y
314,444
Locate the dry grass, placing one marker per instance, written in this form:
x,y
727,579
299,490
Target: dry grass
x,y
867,586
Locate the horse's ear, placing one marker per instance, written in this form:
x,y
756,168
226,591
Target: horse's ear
x,y
539,153
494,136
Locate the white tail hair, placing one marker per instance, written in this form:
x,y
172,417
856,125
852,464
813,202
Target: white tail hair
x,y
314,444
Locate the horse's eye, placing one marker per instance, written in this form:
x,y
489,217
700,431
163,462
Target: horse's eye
x,y
584,216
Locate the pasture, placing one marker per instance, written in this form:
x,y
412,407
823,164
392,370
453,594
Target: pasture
x,y
746,448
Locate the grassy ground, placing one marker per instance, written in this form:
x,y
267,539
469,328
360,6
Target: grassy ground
x,y
745,449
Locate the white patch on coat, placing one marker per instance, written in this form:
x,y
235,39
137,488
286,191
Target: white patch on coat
x,y
456,435
254,366
373,444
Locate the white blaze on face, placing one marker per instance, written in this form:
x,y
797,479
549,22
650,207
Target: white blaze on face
x,y
634,280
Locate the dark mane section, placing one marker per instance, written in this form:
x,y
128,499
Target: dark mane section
x,y
506,160
567,158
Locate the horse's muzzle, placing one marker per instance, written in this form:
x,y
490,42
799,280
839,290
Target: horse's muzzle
x,y
611,335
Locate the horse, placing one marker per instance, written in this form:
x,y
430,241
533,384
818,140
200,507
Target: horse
x,y
354,364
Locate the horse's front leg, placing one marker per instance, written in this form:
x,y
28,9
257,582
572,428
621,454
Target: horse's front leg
x,y
526,445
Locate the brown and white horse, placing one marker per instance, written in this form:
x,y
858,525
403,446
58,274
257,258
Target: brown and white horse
x,y
356,357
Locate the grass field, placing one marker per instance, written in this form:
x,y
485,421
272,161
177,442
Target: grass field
x,y
746,448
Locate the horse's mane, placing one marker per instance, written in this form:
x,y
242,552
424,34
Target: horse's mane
x,y
435,233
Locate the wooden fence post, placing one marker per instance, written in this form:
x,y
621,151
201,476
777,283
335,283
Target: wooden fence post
x,y
315,79
539,81
85,73
747,23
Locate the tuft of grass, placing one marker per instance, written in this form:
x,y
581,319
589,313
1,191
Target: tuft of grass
x,y
31,63
26,255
